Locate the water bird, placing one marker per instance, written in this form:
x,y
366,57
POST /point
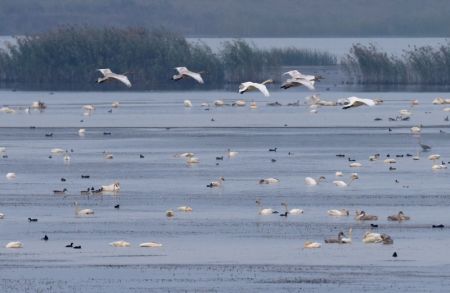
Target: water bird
x,y
310,244
438,226
290,211
50,134
264,211
117,206
113,187
2,216
216,183
170,213
273,160
269,181
394,254
85,176
253,86
60,191
32,220
351,160
11,176
120,243
110,111
77,247
183,72
219,158
353,102
398,217
363,216
150,244
14,244
185,209
81,132
82,212
141,156
70,245
338,213
312,182
273,150
187,103
106,133
45,238
63,179
373,225
341,183
392,168
108,75
115,104
341,239
299,79
232,154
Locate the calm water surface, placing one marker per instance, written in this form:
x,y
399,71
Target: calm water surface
x,y
223,245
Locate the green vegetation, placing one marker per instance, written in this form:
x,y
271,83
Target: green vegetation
x,y
423,65
66,58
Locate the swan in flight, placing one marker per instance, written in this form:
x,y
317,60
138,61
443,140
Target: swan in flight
x,y
82,212
354,102
362,216
120,243
108,74
14,244
184,72
293,82
264,211
269,181
312,182
338,213
310,244
341,183
253,86
291,211
398,217
150,244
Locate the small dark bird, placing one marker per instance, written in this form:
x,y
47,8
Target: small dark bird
x,y
340,155
141,156
285,125
394,254
377,119
388,156
396,181
85,176
45,238
389,127
399,156
50,134
285,214
438,226
273,150
219,158
60,191
212,120
409,155
373,225
32,220
110,111
351,160
446,118
273,160
63,179
32,127
77,247
117,206
392,169
50,157
70,245
5,156
106,133
81,120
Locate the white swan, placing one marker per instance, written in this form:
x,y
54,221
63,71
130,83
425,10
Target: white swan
x,y
184,155
108,74
88,107
356,102
312,182
340,183
253,86
338,213
150,244
269,181
108,156
232,154
371,237
216,183
339,174
185,209
441,101
7,110
14,244
294,82
2,216
38,105
219,103
184,72
120,243
390,161
264,211
112,187
434,157
57,151
11,176
81,132
115,104
82,212
192,160
253,105
239,103
348,239
355,165
187,103
291,211
438,167
310,244
416,129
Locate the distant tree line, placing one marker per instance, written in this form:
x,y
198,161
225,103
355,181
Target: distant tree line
x,y
420,65
67,58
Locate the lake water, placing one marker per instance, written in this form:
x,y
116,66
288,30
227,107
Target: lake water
x,y
223,245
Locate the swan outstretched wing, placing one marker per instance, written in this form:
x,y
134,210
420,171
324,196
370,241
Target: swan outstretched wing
x,y
293,73
195,76
356,102
261,87
105,71
122,78
307,83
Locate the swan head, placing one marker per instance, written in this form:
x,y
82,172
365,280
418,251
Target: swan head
x,y
222,179
322,178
